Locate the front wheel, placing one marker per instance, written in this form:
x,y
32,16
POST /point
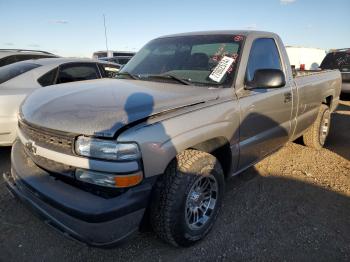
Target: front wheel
x,y
187,198
316,135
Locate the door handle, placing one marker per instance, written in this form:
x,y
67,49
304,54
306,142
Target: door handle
x,y
287,97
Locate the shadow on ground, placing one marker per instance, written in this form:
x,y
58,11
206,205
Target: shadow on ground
x,y
5,154
339,137
263,218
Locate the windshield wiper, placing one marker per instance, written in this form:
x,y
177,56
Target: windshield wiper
x,y
129,75
169,76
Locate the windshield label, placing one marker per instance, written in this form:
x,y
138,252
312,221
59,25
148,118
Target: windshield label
x,y
221,68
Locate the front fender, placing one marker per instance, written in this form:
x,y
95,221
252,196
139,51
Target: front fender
x,y
162,141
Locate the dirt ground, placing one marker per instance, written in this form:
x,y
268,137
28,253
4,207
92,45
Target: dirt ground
x,y
293,206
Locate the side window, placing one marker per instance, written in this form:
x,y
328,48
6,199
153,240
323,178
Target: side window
x,y
263,55
77,72
8,60
48,78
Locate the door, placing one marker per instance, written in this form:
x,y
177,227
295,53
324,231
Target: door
x,y
265,113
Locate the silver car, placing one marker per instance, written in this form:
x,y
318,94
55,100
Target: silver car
x,y
19,79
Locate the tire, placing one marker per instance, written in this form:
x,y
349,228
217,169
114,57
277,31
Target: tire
x,y
176,196
316,135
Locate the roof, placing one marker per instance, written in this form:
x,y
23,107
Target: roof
x,y
339,50
8,52
221,32
62,60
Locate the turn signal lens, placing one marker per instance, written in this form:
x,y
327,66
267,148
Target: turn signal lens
x,y
128,180
108,180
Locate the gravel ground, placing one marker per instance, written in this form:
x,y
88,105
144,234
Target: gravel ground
x,y
294,205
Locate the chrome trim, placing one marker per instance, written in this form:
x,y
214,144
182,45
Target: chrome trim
x,y
81,162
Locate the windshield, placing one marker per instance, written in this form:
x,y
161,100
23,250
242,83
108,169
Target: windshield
x,y
198,59
336,60
10,71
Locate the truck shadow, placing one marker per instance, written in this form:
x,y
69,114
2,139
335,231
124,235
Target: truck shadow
x,y
262,218
339,137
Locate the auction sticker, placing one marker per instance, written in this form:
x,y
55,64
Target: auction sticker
x,y
221,69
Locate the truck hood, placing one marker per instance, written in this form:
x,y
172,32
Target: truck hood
x,y
102,107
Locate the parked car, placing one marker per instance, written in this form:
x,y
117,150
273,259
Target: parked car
x,y
19,79
188,111
9,56
121,60
339,59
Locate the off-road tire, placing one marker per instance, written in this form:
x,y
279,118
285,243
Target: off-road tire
x,y
312,137
170,194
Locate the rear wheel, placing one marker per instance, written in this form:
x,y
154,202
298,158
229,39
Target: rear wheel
x,y
187,198
316,135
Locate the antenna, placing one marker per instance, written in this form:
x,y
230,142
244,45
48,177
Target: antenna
x,y
104,23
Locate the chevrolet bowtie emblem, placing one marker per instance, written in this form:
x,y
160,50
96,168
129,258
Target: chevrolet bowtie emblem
x,y
30,147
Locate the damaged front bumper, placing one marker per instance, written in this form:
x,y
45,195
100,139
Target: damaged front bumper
x,y
78,214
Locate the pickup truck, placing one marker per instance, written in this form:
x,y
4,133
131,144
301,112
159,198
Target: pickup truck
x,y
99,159
339,59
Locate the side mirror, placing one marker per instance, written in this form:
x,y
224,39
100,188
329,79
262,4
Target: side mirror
x,y
267,78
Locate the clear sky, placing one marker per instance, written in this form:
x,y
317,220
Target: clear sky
x,y
75,27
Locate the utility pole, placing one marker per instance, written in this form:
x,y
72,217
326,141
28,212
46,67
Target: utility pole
x,y
104,23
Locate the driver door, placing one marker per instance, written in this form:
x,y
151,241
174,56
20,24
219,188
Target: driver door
x,y
265,112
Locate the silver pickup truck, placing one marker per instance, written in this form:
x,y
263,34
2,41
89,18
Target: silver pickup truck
x,y
98,159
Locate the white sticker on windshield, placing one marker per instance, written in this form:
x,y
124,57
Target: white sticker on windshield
x,y
221,68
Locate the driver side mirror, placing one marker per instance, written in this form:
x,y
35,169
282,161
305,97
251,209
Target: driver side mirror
x,y
267,78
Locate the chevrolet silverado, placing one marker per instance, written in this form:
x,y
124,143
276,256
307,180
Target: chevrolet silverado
x,y
98,159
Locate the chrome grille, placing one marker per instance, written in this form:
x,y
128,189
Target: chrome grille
x,y
48,139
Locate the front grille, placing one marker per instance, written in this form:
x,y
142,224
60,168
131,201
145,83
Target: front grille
x,y
52,166
48,139
66,174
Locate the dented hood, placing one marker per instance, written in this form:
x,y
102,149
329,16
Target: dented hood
x,y
102,107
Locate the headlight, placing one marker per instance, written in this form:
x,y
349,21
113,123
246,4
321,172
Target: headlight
x,y
105,149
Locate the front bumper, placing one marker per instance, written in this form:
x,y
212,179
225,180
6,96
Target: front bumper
x,y
78,214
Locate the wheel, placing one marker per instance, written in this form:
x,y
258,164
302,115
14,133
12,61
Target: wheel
x,y
316,135
187,198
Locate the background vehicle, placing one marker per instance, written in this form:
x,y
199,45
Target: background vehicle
x,y
339,59
9,56
110,53
310,57
121,60
188,111
19,79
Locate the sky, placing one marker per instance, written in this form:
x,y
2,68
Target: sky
x,y
75,27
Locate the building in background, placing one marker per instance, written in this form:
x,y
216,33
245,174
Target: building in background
x,y
310,58
111,53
